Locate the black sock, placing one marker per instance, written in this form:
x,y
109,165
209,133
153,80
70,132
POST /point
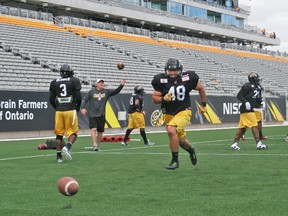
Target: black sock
x,y
69,145
235,140
190,150
128,131
59,155
175,156
143,134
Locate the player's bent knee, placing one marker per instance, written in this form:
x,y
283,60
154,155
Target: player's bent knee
x,y
58,137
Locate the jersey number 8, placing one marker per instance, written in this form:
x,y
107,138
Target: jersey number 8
x,y
178,92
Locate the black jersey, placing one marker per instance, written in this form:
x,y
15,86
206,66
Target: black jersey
x,y
135,108
65,93
180,88
250,93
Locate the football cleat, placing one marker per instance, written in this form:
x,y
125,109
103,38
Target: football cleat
x,y
193,157
96,148
59,160
286,138
261,146
235,146
263,137
124,143
149,143
173,165
67,153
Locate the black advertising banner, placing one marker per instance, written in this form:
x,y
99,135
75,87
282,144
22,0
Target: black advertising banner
x,y
31,111
25,111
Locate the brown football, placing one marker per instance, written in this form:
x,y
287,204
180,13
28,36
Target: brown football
x,y
67,186
42,146
120,66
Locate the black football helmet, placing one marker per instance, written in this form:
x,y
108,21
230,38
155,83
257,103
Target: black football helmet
x,y
139,90
173,64
66,71
254,78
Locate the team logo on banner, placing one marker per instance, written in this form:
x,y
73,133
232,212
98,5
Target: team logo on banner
x,y
210,115
275,112
111,118
156,118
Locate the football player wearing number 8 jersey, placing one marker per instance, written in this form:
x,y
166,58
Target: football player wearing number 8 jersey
x,y
65,97
171,90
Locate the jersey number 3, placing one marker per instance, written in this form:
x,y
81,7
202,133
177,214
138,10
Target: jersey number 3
x,y
64,90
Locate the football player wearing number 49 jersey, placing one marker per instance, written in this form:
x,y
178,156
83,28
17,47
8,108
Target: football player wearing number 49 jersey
x,y
171,90
65,97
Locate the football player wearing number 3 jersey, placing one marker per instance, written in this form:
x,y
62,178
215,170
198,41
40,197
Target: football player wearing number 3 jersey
x,y
171,90
65,97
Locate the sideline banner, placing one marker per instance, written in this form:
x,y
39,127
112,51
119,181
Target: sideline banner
x,y
31,111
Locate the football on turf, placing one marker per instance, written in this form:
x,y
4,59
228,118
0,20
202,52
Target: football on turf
x,y
67,186
120,66
42,146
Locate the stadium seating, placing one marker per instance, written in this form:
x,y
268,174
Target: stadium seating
x,y
94,53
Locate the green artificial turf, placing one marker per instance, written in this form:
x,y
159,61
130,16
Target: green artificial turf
x,y
133,180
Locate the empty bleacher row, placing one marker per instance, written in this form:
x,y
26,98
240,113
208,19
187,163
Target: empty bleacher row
x,y
209,62
95,54
58,47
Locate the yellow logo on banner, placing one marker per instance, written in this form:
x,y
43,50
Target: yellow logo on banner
x,y
111,118
275,112
210,115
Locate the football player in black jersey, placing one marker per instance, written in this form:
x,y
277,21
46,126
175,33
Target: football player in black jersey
x,y
250,96
259,116
136,116
65,97
171,90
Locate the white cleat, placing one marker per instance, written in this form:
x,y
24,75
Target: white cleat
x,y
149,143
59,160
261,146
235,146
124,143
66,151
286,139
96,148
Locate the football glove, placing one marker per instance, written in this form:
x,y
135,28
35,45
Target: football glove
x,y
203,109
247,106
168,97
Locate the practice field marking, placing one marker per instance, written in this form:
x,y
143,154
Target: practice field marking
x,y
26,157
203,154
142,153
124,150
152,132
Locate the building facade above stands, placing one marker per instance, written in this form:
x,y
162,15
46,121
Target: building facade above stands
x,y
219,20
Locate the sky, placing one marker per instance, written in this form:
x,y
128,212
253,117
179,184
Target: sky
x,y
271,15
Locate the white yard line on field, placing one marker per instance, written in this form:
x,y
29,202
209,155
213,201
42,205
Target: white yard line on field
x,y
125,150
